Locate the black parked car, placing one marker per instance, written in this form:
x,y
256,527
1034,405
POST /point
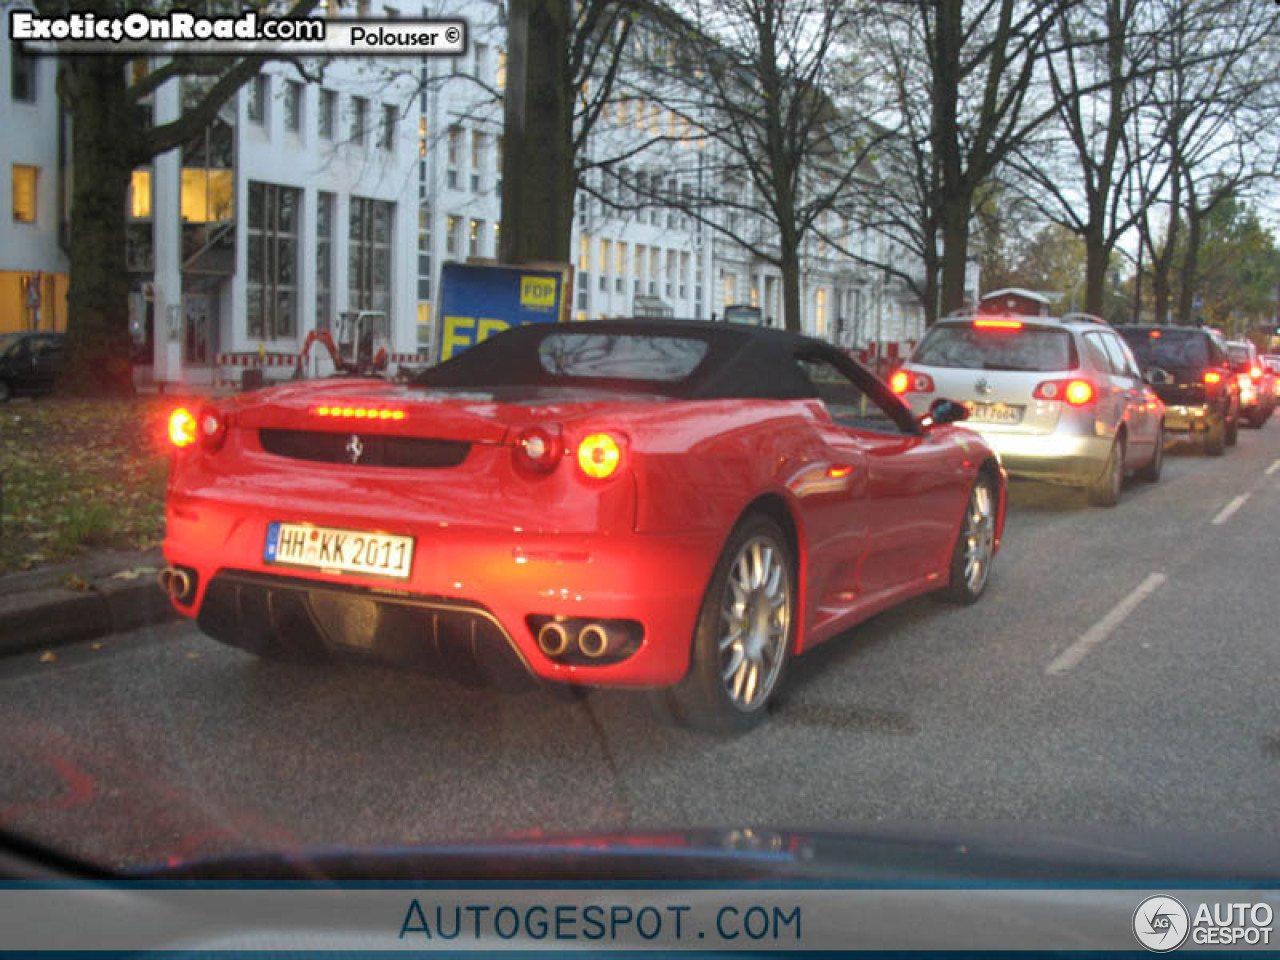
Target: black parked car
x,y
29,362
1190,370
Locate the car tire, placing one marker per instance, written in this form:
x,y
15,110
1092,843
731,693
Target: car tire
x,y
1232,435
757,566
1105,490
1215,440
6,391
1256,419
975,544
1150,473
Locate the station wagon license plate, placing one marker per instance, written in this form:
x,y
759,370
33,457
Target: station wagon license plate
x,y
1001,413
339,551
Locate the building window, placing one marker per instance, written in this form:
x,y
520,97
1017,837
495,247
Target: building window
x,y
584,253
424,253
820,313
477,238
477,159
359,117
497,166
140,195
272,276
293,106
369,255
328,111
454,156
604,261
500,80
451,236
387,135
258,100
422,139
22,75
325,204
24,193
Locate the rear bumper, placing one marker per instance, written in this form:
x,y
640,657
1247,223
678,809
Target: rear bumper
x,y
467,601
1058,457
1195,418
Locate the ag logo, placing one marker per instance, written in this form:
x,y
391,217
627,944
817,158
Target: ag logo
x,y
1161,923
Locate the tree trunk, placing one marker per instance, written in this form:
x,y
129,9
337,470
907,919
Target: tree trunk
x,y
538,174
791,307
1190,266
98,344
955,250
1160,291
1097,260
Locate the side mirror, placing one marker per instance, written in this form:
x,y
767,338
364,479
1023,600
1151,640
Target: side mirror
x,y
1158,376
943,411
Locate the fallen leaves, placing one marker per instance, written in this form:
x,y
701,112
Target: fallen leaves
x,y
73,581
80,474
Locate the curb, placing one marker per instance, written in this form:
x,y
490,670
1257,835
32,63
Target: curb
x,y
52,617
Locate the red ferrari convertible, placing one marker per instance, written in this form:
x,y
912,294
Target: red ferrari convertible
x,y
649,503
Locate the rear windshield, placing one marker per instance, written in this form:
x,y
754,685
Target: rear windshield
x,y
1027,348
1169,349
620,356
1239,354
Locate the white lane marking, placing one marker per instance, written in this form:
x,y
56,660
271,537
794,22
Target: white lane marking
x,y
1273,468
1225,513
1072,656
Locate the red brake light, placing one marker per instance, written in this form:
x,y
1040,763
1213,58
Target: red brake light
x,y
212,428
182,427
1075,392
909,381
538,449
1255,372
1212,376
357,413
1155,334
599,455
1079,392
988,324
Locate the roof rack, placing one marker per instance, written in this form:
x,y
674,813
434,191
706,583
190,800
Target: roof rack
x,y
1083,318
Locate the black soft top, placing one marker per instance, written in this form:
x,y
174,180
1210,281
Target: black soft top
x,y
740,361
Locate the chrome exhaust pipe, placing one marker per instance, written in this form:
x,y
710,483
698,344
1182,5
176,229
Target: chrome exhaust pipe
x,y
175,582
593,641
553,639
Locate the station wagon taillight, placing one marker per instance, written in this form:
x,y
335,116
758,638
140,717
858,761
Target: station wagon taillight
x,y
1075,393
908,381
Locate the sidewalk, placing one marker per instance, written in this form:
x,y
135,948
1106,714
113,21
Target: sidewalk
x,y
101,593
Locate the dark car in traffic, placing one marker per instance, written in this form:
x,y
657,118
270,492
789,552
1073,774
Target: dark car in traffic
x,y
1190,370
29,362
1257,387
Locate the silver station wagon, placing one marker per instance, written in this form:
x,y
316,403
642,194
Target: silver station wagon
x,y
1060,400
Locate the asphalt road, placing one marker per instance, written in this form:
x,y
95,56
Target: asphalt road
x,y
1122,670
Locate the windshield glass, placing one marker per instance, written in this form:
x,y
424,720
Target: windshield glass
x,y
1168,348
586,425
1028,348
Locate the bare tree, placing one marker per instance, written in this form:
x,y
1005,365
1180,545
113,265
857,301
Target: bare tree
x,y
755,83
111,133
1210,115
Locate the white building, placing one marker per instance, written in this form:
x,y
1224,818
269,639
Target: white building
x,y
308,198
33,266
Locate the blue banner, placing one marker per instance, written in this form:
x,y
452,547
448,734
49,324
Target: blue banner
x,y
478,301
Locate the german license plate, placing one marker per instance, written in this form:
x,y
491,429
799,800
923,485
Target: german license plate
x,y
994,413
339,551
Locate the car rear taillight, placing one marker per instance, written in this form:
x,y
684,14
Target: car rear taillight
x,y
908,381
212,428
599,455
1255,373
1212,383
182,427
1076,393
997,324
539,449
1212,377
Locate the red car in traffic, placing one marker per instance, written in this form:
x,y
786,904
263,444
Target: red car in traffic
x,y
652,504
